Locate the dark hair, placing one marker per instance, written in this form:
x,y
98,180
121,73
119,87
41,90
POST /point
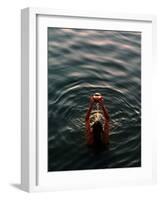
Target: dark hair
x,y
97,132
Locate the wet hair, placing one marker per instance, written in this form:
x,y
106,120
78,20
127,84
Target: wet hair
x,y
97,132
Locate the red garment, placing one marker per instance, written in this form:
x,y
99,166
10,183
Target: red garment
x,y
105,128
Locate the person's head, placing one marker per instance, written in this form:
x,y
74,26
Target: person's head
x,y
97,134
97,127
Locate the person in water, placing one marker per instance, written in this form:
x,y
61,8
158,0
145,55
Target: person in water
x,y
97,134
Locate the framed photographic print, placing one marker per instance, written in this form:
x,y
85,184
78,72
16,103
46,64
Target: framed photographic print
x,y
86,99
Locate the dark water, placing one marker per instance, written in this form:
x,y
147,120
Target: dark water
x,y
80,63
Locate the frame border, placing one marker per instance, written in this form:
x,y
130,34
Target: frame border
x,y
29,172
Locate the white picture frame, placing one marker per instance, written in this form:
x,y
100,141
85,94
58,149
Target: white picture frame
x,y
34,176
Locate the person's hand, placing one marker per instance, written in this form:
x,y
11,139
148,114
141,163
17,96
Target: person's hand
x,y
101,101
97,99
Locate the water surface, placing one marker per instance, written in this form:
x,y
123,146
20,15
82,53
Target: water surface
x,y
80,63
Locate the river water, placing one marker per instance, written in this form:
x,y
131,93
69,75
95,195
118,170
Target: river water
x,y
80,63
